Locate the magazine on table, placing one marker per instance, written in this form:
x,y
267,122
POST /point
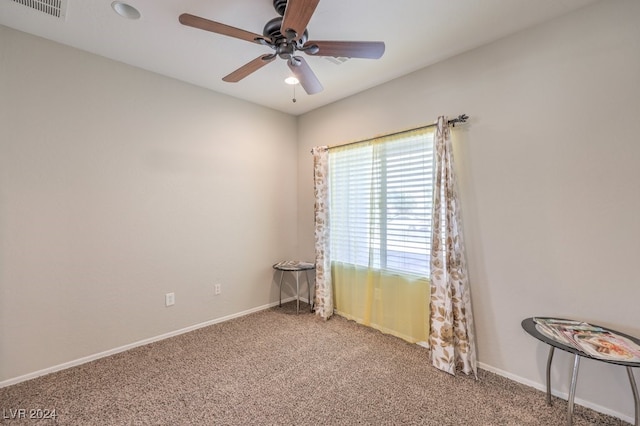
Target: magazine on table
x,y
594,341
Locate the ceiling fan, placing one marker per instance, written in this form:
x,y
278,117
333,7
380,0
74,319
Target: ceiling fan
x,y
287,35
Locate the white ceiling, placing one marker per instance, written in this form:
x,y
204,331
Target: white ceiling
x,y
417,33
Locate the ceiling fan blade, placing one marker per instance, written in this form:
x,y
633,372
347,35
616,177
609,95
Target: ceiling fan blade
x,y
248,68
346,49
296,17
305,75
217,27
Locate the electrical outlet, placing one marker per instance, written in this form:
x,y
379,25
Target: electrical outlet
x,y
217,289
169,299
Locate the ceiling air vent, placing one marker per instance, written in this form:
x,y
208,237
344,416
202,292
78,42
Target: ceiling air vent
x,y
55,8
336,60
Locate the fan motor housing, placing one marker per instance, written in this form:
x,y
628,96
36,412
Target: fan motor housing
x,y
272,31
280,6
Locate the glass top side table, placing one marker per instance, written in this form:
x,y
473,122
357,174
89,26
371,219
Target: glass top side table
x,y
586,341
296,266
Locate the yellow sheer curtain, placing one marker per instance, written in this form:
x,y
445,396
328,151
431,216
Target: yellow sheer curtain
x,y
380,220
392,303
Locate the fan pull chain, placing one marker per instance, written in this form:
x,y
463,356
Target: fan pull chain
x,y
294,93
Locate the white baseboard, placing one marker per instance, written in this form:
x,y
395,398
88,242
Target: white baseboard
x,y
563,395
143,342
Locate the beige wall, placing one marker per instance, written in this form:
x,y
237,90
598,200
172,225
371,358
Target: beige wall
x,y
549,177
118,186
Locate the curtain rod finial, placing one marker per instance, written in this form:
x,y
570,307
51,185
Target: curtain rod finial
x,y
462,118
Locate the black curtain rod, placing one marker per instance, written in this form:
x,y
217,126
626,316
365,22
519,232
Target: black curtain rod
x,y
462,118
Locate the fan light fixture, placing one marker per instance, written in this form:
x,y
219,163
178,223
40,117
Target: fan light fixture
x,y
291,80
125,10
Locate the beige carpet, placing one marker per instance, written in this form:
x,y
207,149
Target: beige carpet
x,y
278,368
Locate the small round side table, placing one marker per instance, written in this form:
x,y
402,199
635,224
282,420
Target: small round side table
x,y
297,267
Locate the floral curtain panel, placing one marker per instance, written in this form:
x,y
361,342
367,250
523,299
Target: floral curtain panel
x,y
451,338
324,293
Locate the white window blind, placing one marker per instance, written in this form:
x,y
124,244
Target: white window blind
x,y
381,199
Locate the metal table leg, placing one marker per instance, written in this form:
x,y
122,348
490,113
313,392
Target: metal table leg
x,y
549,359
281,274
311,297
636,399
297,292
572,389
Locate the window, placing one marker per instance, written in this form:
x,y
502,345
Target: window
x,y
381,200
